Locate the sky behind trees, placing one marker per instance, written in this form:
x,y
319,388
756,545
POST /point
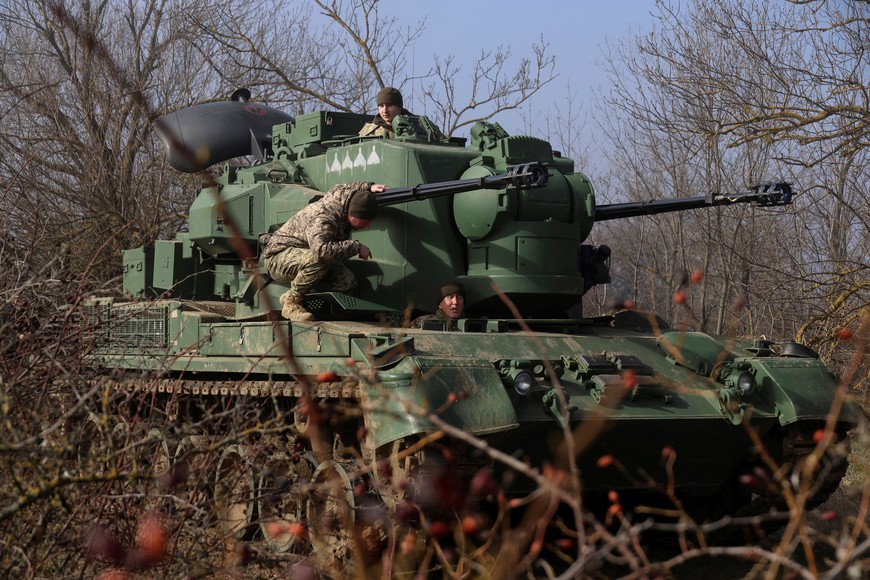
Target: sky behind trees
x,y
576,33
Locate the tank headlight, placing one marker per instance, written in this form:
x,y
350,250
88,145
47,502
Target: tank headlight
x,y
746,383
523,381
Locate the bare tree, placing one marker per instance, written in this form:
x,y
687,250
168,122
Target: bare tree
x,y
79,154
284,58
814,95
495,87
739,93
292,58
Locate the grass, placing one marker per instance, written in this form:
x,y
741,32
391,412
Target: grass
x,y
858,475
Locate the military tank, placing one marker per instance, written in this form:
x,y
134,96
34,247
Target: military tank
x,y
625,402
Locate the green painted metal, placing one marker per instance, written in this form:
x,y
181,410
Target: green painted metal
x,y
401,402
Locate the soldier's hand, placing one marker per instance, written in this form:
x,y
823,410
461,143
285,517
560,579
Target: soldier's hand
x,y
378,187
364,252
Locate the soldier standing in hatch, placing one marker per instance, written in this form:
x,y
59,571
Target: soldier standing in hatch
x,y
389,107
310,248
450,308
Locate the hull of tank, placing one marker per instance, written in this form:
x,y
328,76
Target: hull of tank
x,y
630,406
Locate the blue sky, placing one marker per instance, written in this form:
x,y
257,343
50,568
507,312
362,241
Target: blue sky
x,y
576,32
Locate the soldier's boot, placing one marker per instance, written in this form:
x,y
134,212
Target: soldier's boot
x,y
292,309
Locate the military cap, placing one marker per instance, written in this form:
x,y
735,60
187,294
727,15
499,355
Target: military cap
x,y
363,205
452,287
390,96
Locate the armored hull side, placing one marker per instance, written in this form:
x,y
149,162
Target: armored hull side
x,y
640,412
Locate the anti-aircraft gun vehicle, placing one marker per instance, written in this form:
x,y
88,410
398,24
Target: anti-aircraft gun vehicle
x,y
507,217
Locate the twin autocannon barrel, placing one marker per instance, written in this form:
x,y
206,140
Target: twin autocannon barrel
x,y
766,194
532,175
525,176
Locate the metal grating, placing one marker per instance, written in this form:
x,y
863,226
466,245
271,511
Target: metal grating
x,y
225,309
348,301
146,327
126,326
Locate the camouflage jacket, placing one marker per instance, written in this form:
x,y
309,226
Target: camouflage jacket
x,y
321,226
378,127
409,126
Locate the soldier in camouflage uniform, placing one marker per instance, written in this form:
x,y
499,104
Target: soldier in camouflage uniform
x,y
389,107
451,308
309,249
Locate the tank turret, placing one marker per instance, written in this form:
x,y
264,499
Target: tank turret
x,y
477,221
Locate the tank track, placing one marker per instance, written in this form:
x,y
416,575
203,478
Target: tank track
x,y
798,444
792,446
248,388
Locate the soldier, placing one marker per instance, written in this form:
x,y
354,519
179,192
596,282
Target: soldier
x,y
309,249
450,308
389,107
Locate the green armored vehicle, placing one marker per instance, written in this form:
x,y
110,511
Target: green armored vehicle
x,y
638,406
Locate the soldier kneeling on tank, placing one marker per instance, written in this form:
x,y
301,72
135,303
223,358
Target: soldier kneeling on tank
x,y
450,308
310,248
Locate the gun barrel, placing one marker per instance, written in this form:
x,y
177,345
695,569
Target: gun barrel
x,y
766,194
615,211
523,176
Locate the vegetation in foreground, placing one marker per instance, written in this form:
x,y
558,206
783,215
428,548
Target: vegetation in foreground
x,y
96,484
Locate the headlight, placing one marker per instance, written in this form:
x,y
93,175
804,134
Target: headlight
x,y
746,383
523,381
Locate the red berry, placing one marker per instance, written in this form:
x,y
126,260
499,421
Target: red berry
x,y
680,297
151,538
385,469
244,554
306,406
104,546
114,575
275,528
565,544
605,461
439,530
750,480
471,525
845,334
327,377
697,276
176,474
482,484
408,543
296,529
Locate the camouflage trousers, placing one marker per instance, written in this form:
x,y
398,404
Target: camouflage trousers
x,y
306,274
